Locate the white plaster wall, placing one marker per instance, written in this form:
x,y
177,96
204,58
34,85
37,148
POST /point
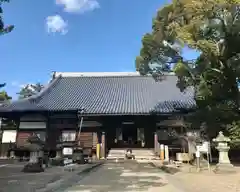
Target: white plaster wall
x,y
9,136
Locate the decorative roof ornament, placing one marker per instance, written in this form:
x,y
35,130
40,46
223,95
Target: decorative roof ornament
x,y
54,75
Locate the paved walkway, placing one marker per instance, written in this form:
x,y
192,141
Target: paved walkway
x,y
124,176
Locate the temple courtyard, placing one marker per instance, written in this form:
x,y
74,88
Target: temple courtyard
x,y
111,176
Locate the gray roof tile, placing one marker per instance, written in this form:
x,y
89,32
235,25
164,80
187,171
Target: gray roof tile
x,y
108,95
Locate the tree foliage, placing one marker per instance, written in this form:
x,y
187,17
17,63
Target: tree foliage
x,y
30,90
3,28
4,97
211,28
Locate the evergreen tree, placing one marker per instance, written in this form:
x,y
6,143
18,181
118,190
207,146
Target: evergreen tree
x,y
211,28
30,90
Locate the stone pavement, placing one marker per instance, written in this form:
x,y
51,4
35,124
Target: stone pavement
x,y
124,177
13,180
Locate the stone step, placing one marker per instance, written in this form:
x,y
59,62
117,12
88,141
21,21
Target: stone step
x,y
143,153
135,152
136,157
140,154
116,152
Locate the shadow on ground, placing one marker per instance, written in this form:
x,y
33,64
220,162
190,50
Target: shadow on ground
x,y
167,169
12,178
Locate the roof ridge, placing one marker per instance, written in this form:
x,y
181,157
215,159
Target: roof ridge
x,y
117,76
39,94
103,76
96,74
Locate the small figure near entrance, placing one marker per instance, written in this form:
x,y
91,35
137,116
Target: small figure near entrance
x,y
129,154
130,141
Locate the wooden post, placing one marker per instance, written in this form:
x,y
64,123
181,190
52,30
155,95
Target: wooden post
x,y
98,148
156,144
162,152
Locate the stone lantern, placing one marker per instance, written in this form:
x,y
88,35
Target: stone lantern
x,y
35,145
224,164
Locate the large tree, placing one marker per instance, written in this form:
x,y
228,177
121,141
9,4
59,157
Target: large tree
x,y
3,28
30,90
211,28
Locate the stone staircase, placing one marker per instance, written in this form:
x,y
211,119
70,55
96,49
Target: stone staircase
x,y
144,154
116,154
140,154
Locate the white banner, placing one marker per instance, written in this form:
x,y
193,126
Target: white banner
x,y
140,134
119,134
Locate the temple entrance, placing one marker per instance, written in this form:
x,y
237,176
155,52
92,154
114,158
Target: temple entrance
x,y
129,133
129,136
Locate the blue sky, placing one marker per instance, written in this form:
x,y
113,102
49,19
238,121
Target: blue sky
x,y
72,35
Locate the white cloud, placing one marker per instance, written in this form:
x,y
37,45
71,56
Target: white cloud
x,y
56,24
18,84
23,85
15,84
78,6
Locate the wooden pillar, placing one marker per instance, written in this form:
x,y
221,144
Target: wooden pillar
x,y
156,145
103,147
162,152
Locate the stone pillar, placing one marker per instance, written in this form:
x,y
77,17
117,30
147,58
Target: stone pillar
x,y
33,157
103,147
12,155
156,144
166,152
59,153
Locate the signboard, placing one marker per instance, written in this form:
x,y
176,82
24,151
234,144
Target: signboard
x,y
197,154
68,135
67,151
204,148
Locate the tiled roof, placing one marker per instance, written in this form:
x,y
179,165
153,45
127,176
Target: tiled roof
x,y
108,95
